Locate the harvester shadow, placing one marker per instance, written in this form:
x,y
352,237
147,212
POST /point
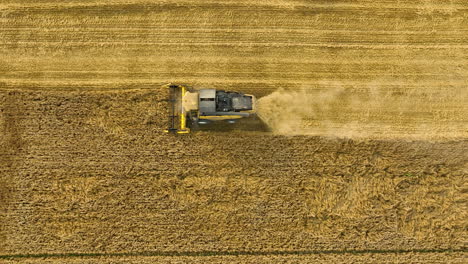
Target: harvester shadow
x,y
251,124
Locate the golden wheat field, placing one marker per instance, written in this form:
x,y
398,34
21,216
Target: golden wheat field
x,y
365,159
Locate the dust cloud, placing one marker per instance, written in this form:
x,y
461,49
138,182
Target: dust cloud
x,y
370,112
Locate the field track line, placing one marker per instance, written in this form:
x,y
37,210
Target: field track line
x,y
254,44
230,4
228,253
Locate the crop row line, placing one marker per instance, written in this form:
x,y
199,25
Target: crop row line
x,y
229,253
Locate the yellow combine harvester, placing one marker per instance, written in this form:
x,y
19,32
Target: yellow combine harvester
x,y
190,107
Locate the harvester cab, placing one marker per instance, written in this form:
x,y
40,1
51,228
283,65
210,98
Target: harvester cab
x,y
191,107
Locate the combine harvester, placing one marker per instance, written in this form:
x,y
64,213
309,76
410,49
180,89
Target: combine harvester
x,y
191,108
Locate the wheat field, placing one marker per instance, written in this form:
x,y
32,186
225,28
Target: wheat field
x,y
365,162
